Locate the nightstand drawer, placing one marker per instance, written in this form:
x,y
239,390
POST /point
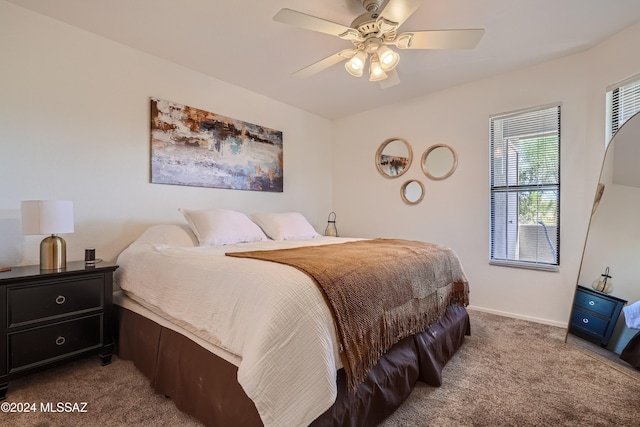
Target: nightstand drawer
x,y
40,345
32,303
595,303
588,323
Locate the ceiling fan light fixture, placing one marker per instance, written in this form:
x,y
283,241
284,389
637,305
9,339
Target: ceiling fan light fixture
x,y
355,66
388,58
375,34
376,72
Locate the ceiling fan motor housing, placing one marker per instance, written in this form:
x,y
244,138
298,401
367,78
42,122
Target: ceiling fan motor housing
x,y
371,5
372,25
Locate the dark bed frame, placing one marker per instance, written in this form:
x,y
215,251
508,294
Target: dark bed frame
x,y
205,386
631,352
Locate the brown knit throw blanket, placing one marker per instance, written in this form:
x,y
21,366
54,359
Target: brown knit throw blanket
x,y
379,291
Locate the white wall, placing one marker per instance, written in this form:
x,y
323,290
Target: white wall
x,y
74,124
455,212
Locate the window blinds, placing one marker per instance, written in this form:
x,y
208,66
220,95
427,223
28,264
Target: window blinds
x,y
625,102
525,188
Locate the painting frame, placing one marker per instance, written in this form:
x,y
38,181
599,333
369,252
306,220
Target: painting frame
x,y
197,148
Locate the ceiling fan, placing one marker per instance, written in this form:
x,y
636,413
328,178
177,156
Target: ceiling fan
x,y
372,33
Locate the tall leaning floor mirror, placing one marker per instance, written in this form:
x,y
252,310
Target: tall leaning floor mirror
x,y
609,276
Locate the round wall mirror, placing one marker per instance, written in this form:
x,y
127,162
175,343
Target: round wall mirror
x,y
439,161
412,192
393,157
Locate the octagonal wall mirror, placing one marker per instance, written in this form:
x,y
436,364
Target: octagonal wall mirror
x,y
412,192
393,157
439,161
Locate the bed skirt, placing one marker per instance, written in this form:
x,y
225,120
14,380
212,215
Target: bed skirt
x,y
205,386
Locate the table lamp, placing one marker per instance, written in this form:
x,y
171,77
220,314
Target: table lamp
x,y
603,284
51,217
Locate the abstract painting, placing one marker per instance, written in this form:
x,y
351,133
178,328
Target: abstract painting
x,y
197,148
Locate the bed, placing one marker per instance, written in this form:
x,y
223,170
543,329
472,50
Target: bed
x,y
631,352
234,339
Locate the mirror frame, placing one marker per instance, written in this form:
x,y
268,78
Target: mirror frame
x,y
404,188
428,151
381,149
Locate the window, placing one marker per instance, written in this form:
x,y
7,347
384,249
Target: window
x,y
525,188
623,101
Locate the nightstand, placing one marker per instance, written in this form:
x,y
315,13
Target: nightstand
x,y
48,318
594,315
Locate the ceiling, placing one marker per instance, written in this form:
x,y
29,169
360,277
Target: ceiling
x,y
238,42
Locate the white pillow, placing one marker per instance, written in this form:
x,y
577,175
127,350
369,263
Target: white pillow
x,y
214,227
284,226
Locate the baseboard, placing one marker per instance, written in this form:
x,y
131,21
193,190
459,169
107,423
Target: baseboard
x,y
520,316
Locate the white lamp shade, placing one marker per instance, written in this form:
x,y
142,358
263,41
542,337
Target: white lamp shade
x,y
376,73
47,216
355,66
388,58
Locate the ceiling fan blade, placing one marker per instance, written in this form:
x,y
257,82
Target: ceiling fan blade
x,y
399,10
325,63
313,23
440,39
391,80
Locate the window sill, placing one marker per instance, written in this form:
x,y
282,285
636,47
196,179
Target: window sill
x,y
526,265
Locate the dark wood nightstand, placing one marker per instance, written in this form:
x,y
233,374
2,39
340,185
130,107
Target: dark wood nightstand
x,y
48,318
594,315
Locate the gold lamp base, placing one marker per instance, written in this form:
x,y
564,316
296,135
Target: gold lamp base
x,y
53,254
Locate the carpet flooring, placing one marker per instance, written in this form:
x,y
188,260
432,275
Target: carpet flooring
x,y
509,372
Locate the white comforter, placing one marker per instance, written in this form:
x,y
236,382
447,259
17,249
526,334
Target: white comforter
x,y
272,316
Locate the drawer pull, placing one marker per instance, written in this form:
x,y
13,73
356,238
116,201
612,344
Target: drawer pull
x,y
60,299
60,340
592,302
585,320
